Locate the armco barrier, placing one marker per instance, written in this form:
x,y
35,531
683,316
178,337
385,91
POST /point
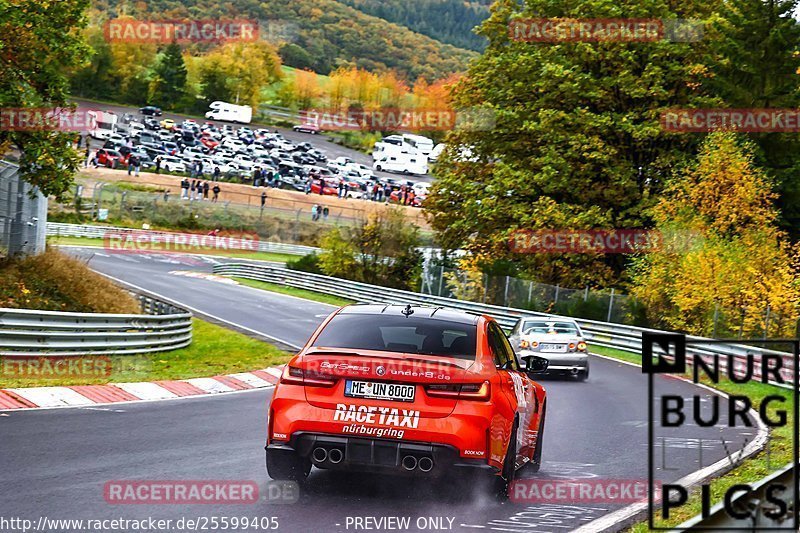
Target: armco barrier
x,y
26,332
57,229
619,336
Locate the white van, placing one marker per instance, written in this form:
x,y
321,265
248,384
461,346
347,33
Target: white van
x,y
402,162
421,144
241,114
104,123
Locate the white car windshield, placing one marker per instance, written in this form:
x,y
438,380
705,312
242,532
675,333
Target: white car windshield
x,y
533,327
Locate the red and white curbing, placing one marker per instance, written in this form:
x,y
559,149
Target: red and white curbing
x,y
88,395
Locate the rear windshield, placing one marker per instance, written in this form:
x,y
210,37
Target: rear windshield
x,y
389,333
550,327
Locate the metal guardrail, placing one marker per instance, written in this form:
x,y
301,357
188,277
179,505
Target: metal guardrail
x,y
57,229
755,504
611,335
26,332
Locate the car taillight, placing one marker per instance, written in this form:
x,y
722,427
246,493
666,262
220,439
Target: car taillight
x,y
293,375
582,346
467,391
572,346
534,344
524,344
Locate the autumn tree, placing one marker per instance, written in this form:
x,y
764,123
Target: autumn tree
x,y
169,80
576,141
39,41
729,271
238,71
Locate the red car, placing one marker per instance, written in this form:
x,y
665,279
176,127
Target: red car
x,y
413,390
109,158
331,187
209,142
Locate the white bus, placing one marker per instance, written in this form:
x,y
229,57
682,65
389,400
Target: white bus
x,y
104,123
393,144
241,114
403,162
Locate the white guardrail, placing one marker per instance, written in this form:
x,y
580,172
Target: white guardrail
x,y
115,233
619,336
27,332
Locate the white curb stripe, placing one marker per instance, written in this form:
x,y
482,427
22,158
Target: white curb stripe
x,y
209,385
251,379
146,391
52,396
274,371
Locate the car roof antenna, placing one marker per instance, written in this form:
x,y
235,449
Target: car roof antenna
x,y
407,311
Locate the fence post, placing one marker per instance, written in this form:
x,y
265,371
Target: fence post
x,y
766,324
610,306
485,286
505,296
441,279
530,292
555,300
586,294
716,318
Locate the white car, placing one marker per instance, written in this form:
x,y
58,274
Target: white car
x,y
233,144
559,340
172,164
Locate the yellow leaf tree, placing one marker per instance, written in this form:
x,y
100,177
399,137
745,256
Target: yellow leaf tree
x,y
736,275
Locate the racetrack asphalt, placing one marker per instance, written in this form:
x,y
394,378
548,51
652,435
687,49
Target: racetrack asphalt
x,y
55,463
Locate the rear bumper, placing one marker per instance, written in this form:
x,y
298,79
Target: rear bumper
x,y
562,362
338,452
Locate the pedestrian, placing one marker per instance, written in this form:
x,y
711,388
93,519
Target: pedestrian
x,y
257,177
88,156
158,164
200,172
205,191
321,186
375,192
193,189
216,173
184,189
215,190
387,193
131,157
341,189
404,194
325,213
137,165
314,209
263,199
166,195
276,178
411,197
308,184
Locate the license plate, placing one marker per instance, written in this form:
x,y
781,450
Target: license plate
x,y
553,347
379,391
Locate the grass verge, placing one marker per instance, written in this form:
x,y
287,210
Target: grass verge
x,y
259,256
214,350
779,451
292,291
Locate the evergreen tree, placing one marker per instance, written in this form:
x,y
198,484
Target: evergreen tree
x,y
169,82
757,64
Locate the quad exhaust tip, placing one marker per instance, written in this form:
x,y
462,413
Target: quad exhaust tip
x,y
425,464
319,454
409,462
335,456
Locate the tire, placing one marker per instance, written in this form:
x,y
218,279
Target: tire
x,y
584,374
536,463
379,168
509,472
287,467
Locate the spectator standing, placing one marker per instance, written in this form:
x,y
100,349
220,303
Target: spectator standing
x,y
193,189
257,177
216,173
184,189
314,209
131,157
411,197
341,189
137,164
263,199
88,156
321,186
375,192
404,194
216,190
205,191
387,193
158,164
325,212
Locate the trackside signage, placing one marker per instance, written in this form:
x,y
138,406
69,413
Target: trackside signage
x,y
721,422
181,31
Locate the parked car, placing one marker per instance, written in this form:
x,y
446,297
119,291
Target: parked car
x,y
150,110
309,127
172,164
109,158
167,124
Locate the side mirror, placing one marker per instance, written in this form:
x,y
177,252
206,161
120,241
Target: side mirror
x,y
536,365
